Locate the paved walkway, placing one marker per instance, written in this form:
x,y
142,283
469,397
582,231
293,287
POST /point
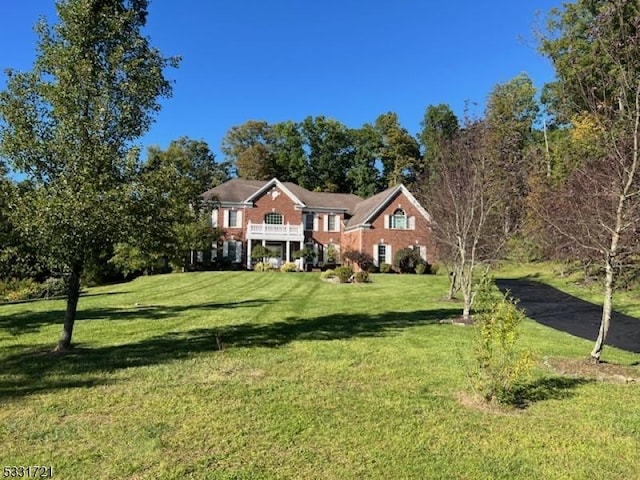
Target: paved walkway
x,y
564,312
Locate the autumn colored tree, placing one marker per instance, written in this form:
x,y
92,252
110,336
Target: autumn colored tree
x,y
595,49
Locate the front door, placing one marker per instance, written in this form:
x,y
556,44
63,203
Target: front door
x,y
276,254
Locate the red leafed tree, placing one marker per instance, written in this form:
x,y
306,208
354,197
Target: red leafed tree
x,y
595,211
463,196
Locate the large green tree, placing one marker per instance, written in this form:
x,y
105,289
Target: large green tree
x,y
69,123
439,125
331,151
595,48
171,217
247,147
510,114
365,177
400,152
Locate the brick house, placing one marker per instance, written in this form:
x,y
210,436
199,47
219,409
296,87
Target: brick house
x,y
286,218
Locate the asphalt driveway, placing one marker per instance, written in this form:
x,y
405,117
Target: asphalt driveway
x,y
564,312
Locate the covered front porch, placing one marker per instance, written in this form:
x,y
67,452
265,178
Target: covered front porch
x,y
282,240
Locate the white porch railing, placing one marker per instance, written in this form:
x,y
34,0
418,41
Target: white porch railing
x,y
276,232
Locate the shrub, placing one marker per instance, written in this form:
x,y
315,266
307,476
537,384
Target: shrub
x,y
435,268
406,259
53,287
344,274
523,249
289,267
328,274
332,254
499,366
262,267
14,289
421,268
307,253
362,277
362,260
385,268
260,252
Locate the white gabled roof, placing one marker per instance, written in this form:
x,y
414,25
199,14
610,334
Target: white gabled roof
x,y
274,182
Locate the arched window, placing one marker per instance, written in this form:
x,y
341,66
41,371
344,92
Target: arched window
x,y
273,219
399,219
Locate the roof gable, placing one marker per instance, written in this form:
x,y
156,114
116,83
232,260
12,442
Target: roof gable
x,y
274,182
367,210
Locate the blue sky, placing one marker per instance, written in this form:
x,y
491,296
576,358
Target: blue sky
x,y
351,60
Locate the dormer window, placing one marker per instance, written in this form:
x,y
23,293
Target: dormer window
x,y
399,219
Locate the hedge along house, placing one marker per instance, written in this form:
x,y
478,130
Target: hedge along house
x,y
286,218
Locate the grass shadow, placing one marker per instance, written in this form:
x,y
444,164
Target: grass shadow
x,y
29,321
559,310
548,388
35,367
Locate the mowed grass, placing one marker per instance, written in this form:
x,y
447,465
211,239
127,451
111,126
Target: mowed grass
x,y
314,380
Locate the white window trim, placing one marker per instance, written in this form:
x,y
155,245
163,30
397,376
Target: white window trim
x,y
238,223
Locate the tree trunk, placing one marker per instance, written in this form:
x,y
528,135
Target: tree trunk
x,y
453,284
64,343
607,304
606,311
466,309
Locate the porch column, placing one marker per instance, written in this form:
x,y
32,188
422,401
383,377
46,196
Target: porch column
x,y
249,254
288,258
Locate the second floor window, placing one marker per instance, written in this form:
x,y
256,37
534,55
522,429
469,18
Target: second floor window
x,y
399,220
309,221
273,219
233,219
331,223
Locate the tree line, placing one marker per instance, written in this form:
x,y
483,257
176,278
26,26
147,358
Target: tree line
x,y
537,175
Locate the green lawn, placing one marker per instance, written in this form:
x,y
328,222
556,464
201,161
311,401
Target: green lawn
x,y
315,380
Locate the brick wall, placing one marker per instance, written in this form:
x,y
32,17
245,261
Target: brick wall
x,y
275,201
397,239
